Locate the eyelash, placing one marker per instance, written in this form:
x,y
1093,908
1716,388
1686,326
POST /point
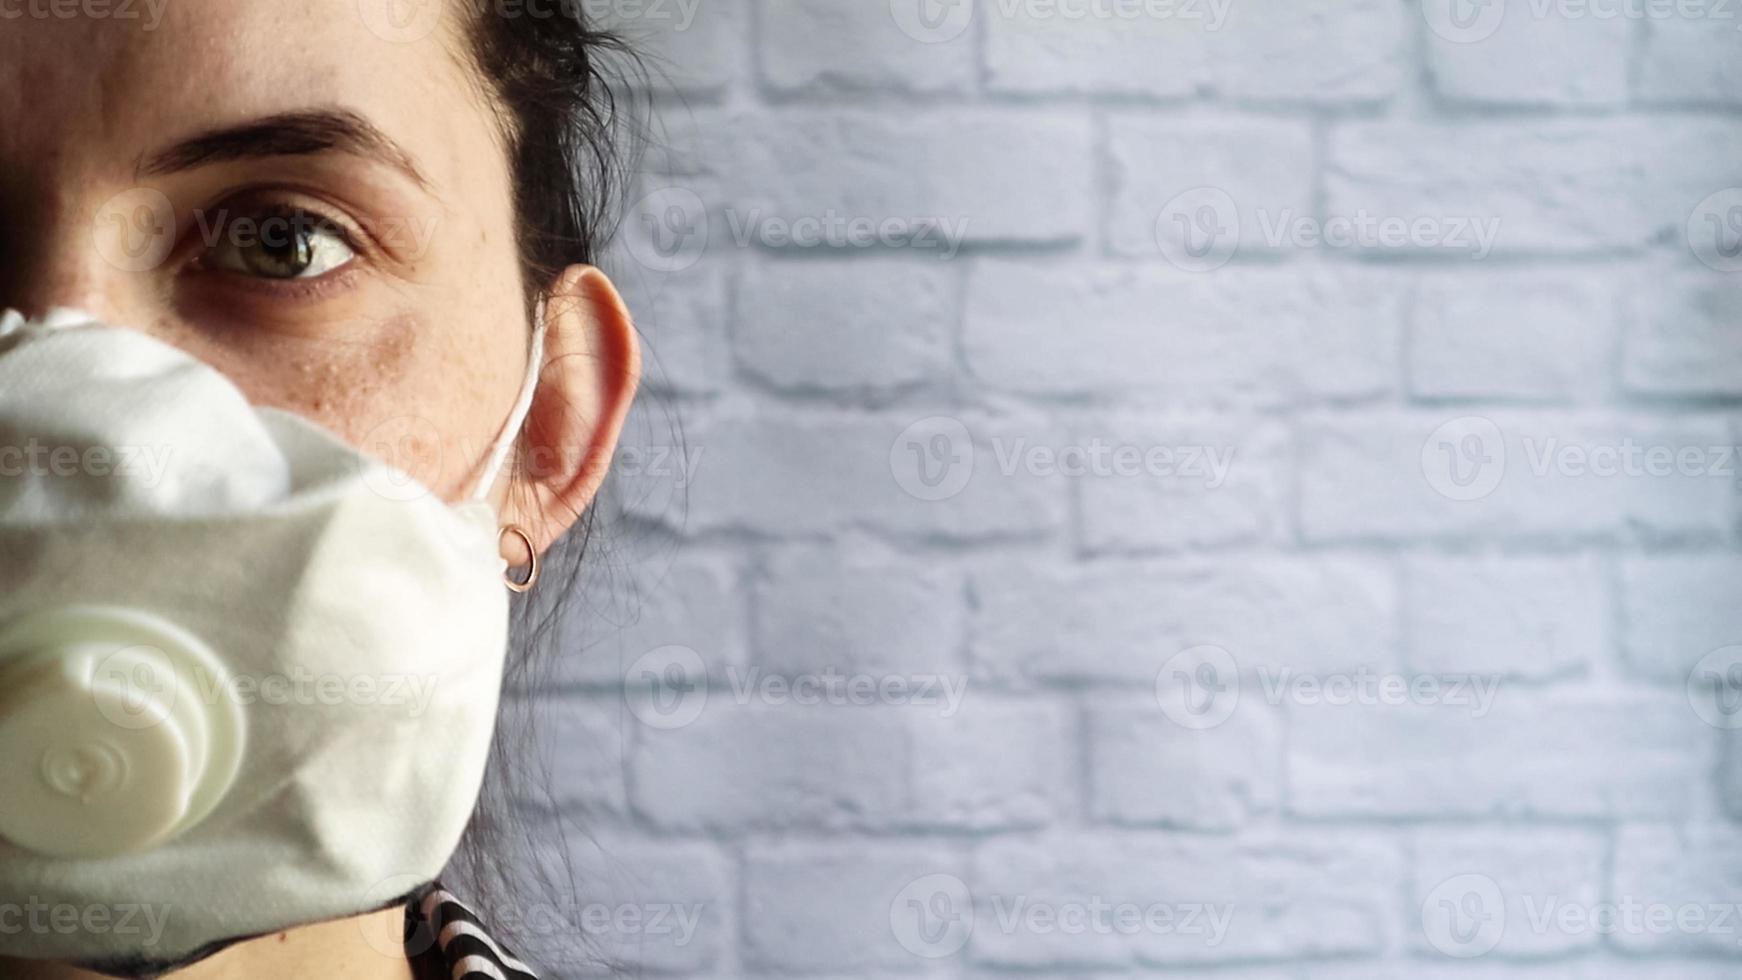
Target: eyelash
x,y
261,206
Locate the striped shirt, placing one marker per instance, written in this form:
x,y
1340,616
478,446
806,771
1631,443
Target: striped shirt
x,y
445,940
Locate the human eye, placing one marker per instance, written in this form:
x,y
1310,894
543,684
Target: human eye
x,y
282,242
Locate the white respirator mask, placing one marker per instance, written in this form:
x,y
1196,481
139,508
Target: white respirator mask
x,y
248,674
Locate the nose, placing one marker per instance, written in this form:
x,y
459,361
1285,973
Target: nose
x,y
57,287
90,258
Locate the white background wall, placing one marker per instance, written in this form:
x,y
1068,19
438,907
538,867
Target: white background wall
x,y
1413,437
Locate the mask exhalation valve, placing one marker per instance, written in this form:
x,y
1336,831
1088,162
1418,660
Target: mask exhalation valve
x,y
118,731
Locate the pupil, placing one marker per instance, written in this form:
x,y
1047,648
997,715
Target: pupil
x,y
286,248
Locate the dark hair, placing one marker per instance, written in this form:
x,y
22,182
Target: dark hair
x,y
559,85
563,91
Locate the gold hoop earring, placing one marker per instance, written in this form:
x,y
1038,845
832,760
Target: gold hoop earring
x,y
532,573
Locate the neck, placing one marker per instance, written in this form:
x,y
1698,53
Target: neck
x,y
366,947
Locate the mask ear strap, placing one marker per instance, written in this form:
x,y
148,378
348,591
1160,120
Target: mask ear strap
x,y
517,416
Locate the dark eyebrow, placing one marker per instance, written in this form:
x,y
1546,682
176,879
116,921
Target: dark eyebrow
x,y
286,134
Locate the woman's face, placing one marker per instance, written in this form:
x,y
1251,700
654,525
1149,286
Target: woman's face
x,y
307,196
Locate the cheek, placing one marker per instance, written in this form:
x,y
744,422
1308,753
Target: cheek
x,y
406,394
346,386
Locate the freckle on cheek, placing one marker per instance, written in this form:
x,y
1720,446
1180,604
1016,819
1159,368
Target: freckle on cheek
x,y
343,383
392,350
319,386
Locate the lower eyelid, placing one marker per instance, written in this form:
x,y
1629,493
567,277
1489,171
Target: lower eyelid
x,y
330,285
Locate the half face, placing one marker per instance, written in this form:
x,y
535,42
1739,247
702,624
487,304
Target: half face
x,y
312,197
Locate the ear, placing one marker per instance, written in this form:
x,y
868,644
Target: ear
x,y
587,383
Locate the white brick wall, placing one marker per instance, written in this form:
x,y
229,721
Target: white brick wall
x,y
1174,487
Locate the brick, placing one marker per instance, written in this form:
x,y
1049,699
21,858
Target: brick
x,y
1032,49
1122,621
683,334
1684,338
1458,473
1265,169
1285,897
823,533
993,765
1510,616
980,175
1147,770
1729,782
833,326
927,757
583,740
1554,186
1675,609
1193,481
1530,59
666,906
692,603
1586,967
1331,52
1692,60
1525,338
693,48
761,766
1344,52
810,909
1240,337
1681,882
793,474
691,145
810,46
818,608
1530,755
1530,884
